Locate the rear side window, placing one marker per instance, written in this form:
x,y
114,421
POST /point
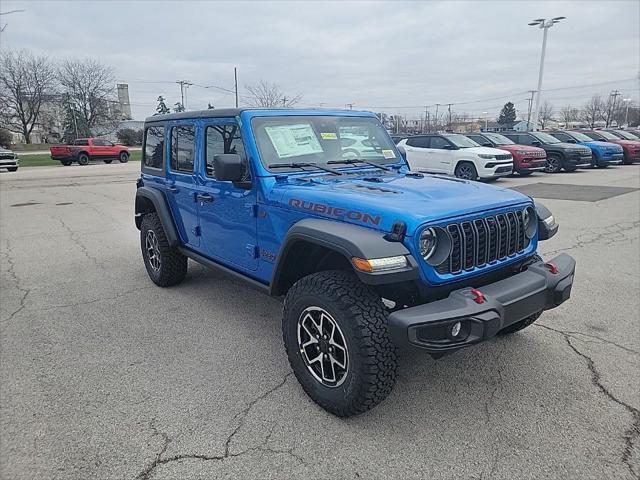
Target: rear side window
x,y
522,139
81,141
562,136
220,139
154,147
420,142
182,148
438,142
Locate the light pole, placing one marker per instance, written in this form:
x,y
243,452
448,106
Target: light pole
x,y
486,120
545,25
626,113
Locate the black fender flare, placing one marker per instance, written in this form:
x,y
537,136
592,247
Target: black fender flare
x,y
350,241
159,201
545,230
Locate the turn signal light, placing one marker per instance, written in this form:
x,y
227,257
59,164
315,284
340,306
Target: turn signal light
x,y
372,265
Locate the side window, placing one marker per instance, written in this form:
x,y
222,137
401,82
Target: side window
x,y
154,147
220,139
438,142
182,148
563,137
98,142
523,139
420,142
478,139
81,141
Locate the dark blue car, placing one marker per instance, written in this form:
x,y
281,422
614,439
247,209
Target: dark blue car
x,y
319,208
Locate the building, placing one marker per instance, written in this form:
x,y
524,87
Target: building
x,y
124,105
496,127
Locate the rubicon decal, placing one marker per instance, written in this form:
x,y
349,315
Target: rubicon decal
x,y
335,211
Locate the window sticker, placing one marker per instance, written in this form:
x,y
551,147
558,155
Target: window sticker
x,y
329,136
294,140
388,154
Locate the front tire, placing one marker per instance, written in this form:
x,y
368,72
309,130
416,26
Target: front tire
x,y
123,157
466,171
553,164
165,265
66,163
523,173
336,336
107,160
12,169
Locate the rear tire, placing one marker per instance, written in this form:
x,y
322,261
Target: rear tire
x,y
83,159
165,265
351,365
123,157
466,171
553,163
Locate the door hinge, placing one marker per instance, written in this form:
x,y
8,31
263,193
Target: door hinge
x,y
196,231
253,250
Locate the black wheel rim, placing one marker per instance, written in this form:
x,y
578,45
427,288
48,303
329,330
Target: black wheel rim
x,y
466,172
552,165
323,347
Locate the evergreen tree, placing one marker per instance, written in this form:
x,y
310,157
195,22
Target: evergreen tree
x,y
210,107
507,114
74,125
162,107
178,107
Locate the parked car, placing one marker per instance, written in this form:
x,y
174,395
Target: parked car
x,y
269,197
624,134
603,153
9,160
634,132
82,150
630,148
455,154
396,137
560,155
526,159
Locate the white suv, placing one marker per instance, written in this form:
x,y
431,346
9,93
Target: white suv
x,y
454,154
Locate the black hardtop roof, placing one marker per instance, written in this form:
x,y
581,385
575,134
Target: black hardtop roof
x,y
211,113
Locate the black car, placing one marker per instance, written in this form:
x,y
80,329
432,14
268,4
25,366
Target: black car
x,y
560,155
397,137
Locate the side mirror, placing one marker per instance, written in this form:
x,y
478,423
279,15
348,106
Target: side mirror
x,y
487,144
228,167
571,141
449,147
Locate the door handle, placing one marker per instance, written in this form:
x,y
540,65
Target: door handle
x,y
172,189
204,197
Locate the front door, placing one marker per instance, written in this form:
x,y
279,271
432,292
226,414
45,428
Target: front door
x,y
181,182
442,154
227,212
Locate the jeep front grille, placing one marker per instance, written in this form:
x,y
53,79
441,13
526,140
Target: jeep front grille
x,y
506,156
478,242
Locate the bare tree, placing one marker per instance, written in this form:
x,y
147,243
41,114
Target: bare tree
x,y
569,114
26,83
90,91
593,111
546,114
265,94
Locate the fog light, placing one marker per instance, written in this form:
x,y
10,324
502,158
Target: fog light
x,y
455,330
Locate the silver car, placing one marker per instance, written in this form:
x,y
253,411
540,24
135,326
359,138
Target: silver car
x,y
8,160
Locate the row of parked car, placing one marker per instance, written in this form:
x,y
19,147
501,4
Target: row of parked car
x,y
486,155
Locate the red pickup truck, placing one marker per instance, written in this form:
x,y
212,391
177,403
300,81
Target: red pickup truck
x,y
84,149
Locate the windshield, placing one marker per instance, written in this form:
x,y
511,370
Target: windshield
x,y
626,135
545,137
607,135
461,141
320,139
498,139
581,137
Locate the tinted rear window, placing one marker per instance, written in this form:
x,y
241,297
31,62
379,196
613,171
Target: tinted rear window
x,y
154,147
421,142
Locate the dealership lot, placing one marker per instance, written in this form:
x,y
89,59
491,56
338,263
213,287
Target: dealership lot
x,y
106,376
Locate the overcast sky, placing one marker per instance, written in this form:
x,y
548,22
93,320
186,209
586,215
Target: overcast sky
x,y
382,56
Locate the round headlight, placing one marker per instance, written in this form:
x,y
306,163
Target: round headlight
x,y
530,217
428,243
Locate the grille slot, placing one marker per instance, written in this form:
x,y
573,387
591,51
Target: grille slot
x,y
476,243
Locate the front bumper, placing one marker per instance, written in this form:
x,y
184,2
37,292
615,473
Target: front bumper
x,y
576,160
9,162
505,302
498,169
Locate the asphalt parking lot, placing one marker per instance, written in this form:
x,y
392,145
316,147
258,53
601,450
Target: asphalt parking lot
x,y
106,376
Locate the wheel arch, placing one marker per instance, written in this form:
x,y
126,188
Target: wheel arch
x,y
152,200
314,245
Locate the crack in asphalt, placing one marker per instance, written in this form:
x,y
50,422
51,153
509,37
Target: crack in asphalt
x,y
95,300
575,335
148,472
75,239
16,281
614,233
633,431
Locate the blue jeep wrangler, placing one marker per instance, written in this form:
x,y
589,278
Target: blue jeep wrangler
x,y
319,207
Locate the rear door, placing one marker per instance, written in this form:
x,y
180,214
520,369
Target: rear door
x,y
419,155
227,211
181,182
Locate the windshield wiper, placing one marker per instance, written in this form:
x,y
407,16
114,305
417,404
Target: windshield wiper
x,y
351,161
302,165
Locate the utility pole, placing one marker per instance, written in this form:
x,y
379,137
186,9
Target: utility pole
x,y
530,100
349,105
184,84
449,122
613,97
435,121
235,77
626,115
284,102
545,25
426,119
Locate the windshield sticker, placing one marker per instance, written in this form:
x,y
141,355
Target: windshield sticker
x,y
388,154
294,140
328,136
